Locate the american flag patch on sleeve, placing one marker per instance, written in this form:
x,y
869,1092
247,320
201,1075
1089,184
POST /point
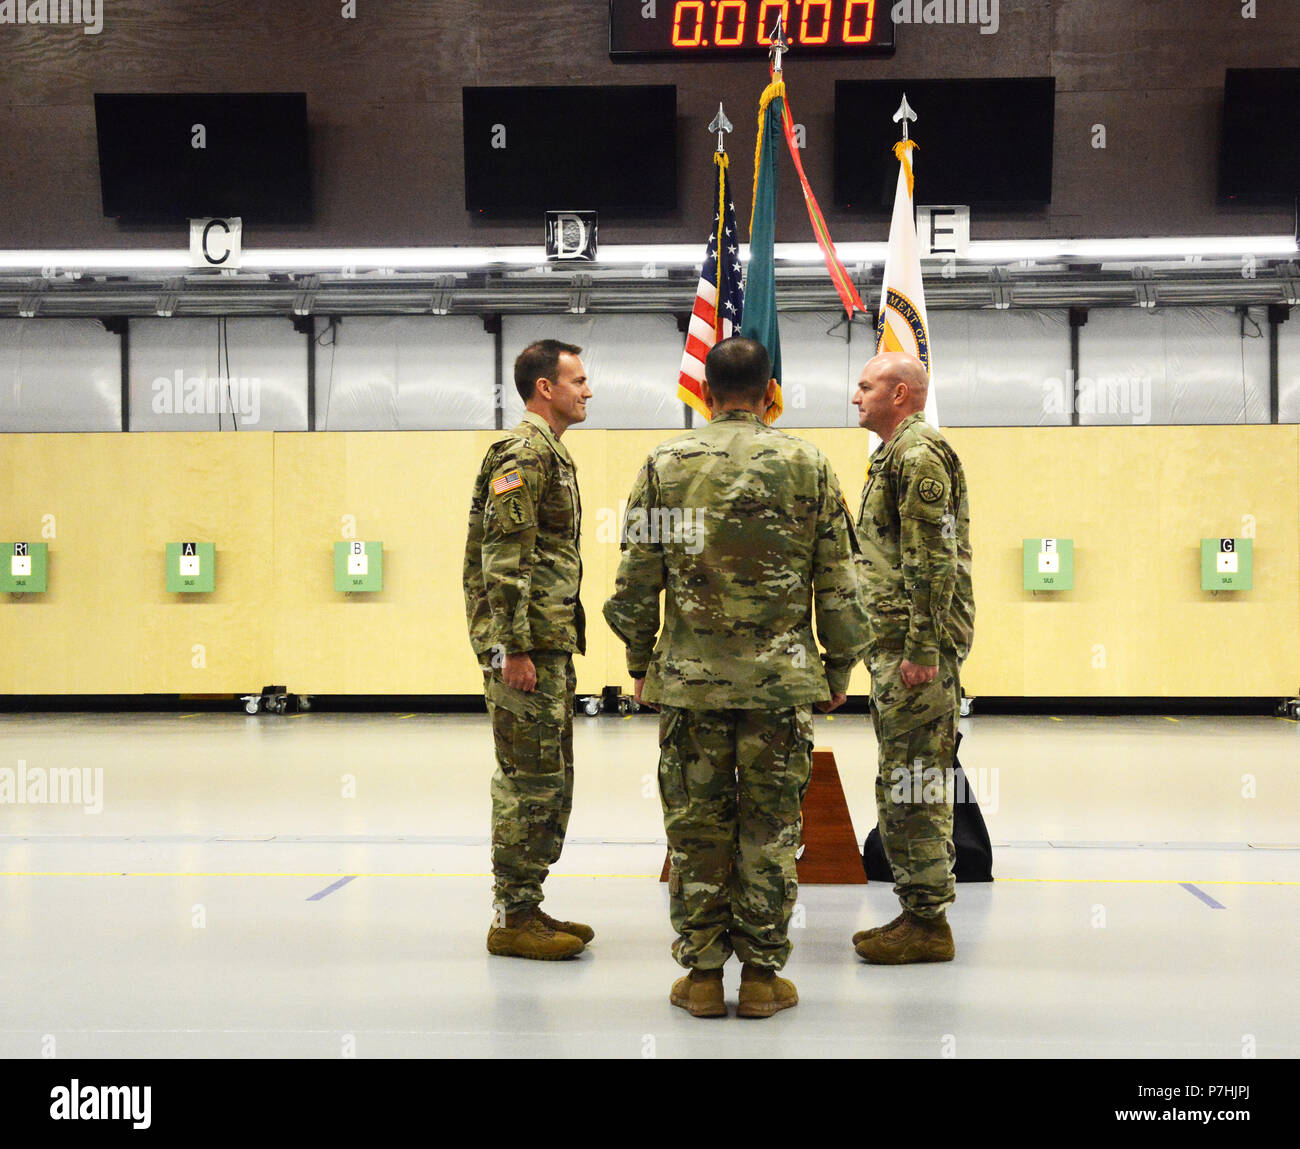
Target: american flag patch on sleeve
x,y
507,482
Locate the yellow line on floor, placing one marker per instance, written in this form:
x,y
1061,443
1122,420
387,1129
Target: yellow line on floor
x,y
1150,881
1168,719
486,874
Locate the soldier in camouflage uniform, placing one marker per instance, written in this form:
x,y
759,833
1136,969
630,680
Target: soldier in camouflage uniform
x,y
915,572
741,527
522,577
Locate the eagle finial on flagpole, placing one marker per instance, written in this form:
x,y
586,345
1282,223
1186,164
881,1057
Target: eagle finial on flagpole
x,y
904,113
778,42
721,125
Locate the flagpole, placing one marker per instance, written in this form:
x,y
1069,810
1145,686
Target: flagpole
x,y
902,323
719,296
904,113
844,286
721,125
760,319
779,44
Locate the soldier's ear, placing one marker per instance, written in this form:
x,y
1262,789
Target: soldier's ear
x,y
769,396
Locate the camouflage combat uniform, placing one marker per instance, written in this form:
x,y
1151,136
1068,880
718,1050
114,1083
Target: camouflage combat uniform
x,y
742,527
915,571
522,576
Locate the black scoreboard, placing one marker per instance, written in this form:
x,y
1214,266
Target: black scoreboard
x,y
717,29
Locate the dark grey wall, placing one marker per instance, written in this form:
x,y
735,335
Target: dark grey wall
x,y
384,104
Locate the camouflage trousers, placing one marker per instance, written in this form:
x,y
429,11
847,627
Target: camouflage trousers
x,y
732,784
916,731
532,789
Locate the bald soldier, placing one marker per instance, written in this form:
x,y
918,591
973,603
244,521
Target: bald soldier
x,y
741,528
523,573
915,573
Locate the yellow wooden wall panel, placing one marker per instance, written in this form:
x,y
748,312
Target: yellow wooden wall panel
x,y
608,464
410,491
107,624
1225,482
1135,500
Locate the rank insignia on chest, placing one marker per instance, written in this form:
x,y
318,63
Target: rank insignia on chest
x,y
931,490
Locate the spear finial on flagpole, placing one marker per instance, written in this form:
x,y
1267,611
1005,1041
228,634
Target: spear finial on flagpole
x,y
720,125
779,43
904,113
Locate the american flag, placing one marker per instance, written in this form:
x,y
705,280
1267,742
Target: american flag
x,y
719,298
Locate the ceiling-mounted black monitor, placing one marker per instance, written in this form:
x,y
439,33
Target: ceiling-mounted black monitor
x,y
986,143
1259,160
535,149
168,158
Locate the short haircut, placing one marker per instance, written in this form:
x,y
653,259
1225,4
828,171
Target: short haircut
x,y
540,360
738,369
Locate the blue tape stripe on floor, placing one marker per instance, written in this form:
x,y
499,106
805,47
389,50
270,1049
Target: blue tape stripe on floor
x,y
330,889
1191,889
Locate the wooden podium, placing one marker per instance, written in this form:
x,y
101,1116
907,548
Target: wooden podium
x,y
832,854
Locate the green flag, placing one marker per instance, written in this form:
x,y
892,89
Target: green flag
x,y
760,279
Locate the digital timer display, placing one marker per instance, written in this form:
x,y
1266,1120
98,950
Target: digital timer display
x,y
731,28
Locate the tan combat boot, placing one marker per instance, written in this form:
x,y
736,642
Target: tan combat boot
x,y
862,935
583,933
762,993
525,935
700,992
913,939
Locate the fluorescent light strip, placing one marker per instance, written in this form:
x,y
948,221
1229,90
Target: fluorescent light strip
x,y
104,260
394,258
1155,247
437,259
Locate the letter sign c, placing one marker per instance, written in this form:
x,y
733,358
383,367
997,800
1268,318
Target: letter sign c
x,y
225,255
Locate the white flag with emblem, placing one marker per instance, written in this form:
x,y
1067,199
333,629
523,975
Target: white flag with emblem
x,y
902,325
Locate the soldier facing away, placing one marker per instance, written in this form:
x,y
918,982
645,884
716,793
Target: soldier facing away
x,y
915,571
741,527
522,579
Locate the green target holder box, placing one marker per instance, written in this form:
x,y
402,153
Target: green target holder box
x,y
191,568
23,567
1049,564
358,566
1226,564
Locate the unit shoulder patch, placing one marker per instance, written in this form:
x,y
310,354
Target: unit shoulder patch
x,y
931,489
512,502
925,488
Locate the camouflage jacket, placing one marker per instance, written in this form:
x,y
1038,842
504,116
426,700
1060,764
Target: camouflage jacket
x,y
914,529
522,567
742,527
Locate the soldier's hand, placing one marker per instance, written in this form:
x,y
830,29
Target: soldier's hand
x,y
914,675
837,700
519,672
638,685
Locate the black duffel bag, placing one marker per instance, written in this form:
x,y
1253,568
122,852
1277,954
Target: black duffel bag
x,y
969,835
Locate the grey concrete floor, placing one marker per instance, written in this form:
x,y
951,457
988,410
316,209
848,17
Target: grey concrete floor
x,y
318,885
